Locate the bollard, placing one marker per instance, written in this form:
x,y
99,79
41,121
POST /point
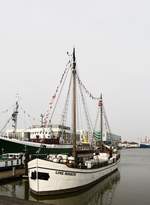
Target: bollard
x,y
13,171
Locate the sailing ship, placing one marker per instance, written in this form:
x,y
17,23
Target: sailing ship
x,y
59,174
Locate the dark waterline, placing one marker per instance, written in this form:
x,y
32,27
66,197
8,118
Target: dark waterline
x,y
129,185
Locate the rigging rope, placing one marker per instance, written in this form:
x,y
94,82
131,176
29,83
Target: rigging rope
x,y
64,115
2,130
53,111
60,87
11,118
89,124
97,118
6,110
87,116
27,114
107,123
79,113
86,90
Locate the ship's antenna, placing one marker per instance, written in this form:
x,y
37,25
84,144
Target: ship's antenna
x,y
42,120
101,116
14,119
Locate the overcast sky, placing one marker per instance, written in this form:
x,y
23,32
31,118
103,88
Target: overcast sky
x,y
112,40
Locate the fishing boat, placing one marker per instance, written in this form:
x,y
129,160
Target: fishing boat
x,y
32,145
43,139
35,140
17,146
58,174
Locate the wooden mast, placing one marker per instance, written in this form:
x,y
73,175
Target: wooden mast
x,y
74,107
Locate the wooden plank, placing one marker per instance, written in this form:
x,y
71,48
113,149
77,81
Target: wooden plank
x,y
10,174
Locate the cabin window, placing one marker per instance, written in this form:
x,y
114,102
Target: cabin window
x,y
40,175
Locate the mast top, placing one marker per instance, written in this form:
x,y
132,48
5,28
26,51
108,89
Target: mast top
x,y
100,103
101,97
74,59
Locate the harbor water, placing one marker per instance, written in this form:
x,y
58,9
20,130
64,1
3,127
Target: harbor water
x,y
129,185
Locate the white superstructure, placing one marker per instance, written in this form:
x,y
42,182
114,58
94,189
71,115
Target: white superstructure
x,y
37,133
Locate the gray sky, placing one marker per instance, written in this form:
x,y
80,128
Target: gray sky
x,y
112,40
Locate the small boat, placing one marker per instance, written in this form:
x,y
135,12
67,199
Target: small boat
x,y
145,143
85,166
10,160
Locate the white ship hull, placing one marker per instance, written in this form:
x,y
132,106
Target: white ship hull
x,y
59,178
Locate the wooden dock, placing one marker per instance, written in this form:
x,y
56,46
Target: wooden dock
x,y
11,174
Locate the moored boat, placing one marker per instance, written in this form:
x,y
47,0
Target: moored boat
x,y
145,143
50,177
68,173
10,160
37,139
15,145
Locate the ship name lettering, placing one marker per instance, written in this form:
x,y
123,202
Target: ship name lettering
x,y
60,172
66,173
70,173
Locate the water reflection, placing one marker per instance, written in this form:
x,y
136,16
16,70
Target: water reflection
x,y
100,194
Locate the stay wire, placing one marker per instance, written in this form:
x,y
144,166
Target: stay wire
x,y
63,82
